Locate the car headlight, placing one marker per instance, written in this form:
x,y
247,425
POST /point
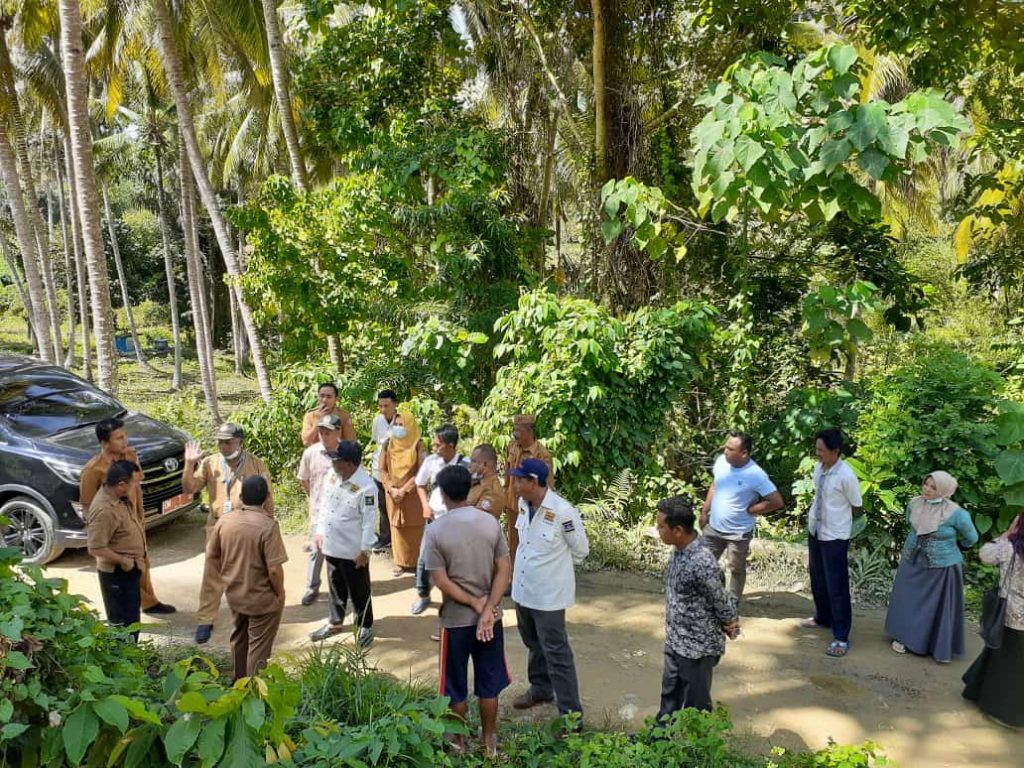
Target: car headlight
x,y
69,473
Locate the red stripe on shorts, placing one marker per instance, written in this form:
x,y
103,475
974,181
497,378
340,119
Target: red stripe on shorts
x,y
444,657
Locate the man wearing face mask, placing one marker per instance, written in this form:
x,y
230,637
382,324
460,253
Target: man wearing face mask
x,y
221,474
487,493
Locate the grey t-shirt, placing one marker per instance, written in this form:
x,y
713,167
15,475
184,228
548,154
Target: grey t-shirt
x,y
465,543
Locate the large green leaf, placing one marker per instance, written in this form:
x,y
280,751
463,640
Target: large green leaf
x,y
211,742
841,58
1011,428
870,122
834,153
873,163
79,732
113,712
181,736
1010,467
747,152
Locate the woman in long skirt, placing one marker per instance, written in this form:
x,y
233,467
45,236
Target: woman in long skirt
x,y
926,609
995,681
401,458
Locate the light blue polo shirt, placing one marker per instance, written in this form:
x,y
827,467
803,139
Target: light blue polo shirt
x,y
735,490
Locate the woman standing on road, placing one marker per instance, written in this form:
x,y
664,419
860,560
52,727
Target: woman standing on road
x,y
995,681
400,459
926,610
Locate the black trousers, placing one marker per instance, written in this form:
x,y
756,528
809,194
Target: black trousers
x,y
685,683
551,667
122,597
383,523
828,562
349,583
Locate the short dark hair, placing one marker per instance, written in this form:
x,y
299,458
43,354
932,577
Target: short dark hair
x,y
678,512
120,471
350,451
746,441
448,434
330,384
255,490
106,428
488,452
387,394
832,438
455,482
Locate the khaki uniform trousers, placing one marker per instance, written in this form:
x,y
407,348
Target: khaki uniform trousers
x,y
212,588
252,641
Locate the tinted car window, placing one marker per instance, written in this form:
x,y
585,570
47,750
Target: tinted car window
x,y
38,406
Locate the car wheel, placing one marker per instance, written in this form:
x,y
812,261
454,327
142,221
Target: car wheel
x,y
30,530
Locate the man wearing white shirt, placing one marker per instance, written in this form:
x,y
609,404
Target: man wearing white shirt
x,y
314,469
348,514
830,521
380,430
446,454
551,542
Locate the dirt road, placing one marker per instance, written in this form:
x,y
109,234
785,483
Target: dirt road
x,y
780,687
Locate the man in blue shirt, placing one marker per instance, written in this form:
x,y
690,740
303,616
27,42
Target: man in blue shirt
x,y
740,491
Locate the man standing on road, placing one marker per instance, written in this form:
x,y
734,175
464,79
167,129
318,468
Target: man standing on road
x,y
446,454
380,431
113,439
314,469
699,613
524,445
344,533
467,556
551,541
221,475
740,492
327,405
245,549
830,522
118,542
486,493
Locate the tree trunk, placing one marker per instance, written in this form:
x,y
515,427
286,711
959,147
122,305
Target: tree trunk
x,y
20,285
80,267
172,292
77,90
49,276
193,271
237,332
175,77
279,74
139,356
600,109
69,358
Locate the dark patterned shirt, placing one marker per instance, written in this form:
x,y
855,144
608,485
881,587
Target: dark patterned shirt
x,y
696,603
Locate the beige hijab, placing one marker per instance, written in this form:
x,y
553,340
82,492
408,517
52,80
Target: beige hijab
x,y
926,517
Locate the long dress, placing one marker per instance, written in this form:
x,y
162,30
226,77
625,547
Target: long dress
x,y
407,521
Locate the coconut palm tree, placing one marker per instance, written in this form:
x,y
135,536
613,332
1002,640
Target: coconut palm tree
x,y
282,92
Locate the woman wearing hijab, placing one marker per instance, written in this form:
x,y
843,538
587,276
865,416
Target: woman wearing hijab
x,y
995,681
403,452
926,610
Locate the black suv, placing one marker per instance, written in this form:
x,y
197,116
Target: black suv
x,y
47,415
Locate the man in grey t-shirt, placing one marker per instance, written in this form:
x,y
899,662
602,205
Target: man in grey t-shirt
x,y
467,556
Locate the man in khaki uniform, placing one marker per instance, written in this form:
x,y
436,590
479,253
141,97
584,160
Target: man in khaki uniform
x,y
114,446
245,548
327,405
118,542
524,446
487,492
221,475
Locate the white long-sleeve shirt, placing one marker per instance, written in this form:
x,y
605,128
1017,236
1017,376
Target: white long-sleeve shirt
x,y
549,547
348,515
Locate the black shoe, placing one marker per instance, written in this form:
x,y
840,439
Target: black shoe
x,y
310,597
326,631
203,632
160,609
379,546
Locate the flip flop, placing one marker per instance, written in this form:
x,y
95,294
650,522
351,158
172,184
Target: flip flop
x,y
898,647
810,623
837,649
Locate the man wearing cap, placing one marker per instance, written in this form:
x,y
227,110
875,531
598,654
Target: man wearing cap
x,y
487,492
345,533
524,446
314,469
327,405
221,474
551,541
246,550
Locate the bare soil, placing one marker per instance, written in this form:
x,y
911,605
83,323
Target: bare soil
x,y
776,680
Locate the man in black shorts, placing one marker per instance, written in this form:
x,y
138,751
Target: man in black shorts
x,y
467,556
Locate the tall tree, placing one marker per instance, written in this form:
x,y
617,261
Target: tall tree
x,y
282,92
119,265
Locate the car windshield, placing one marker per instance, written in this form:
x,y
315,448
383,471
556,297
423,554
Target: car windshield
x,y
42,405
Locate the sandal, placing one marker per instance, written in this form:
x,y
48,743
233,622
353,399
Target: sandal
x,y
898,647
810,623
837,649
397,571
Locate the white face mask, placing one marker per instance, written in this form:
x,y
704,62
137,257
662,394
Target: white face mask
x,y
477,476
233,456
935,501
399,432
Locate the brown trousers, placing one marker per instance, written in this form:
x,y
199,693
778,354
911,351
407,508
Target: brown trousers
x,y
210,591
149,598
252,640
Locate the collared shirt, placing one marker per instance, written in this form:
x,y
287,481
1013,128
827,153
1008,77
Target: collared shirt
x,y
112,523
736,488
516,456
224,484
310,434
488,495
549,546
94,474
380,429
314,468
836,493
348,515
427,475
242,547
697,604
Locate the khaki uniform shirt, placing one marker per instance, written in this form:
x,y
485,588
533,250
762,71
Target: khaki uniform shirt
x,y
489,496
95,474
516,455
112,523
227,488
242,547
310,434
